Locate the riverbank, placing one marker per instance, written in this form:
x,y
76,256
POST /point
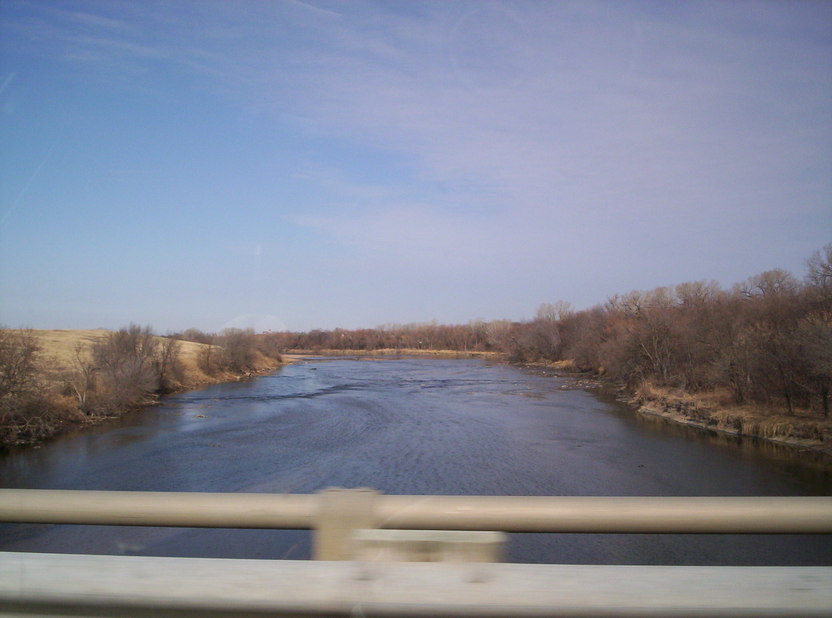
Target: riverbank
x,y
715,412
65,380
711,411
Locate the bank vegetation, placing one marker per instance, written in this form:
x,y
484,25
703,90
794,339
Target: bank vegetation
x,y
755,359
51,381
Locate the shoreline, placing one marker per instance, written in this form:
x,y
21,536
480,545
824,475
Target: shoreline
x,y
796,432
802,432
796,442
392,352
76,420
61,377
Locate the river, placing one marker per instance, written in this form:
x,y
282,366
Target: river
x,y
413,426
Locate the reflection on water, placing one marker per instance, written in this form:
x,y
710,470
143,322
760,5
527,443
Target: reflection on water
x,y
413,426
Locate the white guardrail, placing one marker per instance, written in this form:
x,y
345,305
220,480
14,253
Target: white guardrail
x,y
348,579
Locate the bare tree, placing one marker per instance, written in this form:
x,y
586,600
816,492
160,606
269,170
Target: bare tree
x,y
168,365
25,412
777,282
819,276
82,378
18,371
125,362
239,349
814,336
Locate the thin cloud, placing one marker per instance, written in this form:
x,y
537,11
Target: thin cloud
x,y
110,47
318,11
87,19
543,149
583,126
7,81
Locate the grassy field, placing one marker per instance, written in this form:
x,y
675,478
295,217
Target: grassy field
x,y
58,351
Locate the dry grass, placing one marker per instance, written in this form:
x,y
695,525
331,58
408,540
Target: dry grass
x,y
715,410
57,353
565,366
57,347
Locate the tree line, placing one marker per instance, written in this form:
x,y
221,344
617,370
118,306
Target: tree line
x,y
766,340
429,336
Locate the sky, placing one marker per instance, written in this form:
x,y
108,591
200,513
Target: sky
x,y
317,164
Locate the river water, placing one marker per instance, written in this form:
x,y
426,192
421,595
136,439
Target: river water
x,y
413,426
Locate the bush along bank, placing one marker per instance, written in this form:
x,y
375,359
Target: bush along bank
x,y
53,381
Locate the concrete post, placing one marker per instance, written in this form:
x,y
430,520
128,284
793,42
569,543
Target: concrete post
x,y
340,512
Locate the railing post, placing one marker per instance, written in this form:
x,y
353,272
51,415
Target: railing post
x,y
340,511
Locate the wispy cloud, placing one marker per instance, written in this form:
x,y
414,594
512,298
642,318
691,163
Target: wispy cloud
x,y
599,110
7,80
545,106
87,19
113,47
577,147
317,10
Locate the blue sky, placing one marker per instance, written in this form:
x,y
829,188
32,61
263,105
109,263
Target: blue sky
x,y
323,164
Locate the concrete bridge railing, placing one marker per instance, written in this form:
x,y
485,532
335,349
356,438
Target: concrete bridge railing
x,y
344,581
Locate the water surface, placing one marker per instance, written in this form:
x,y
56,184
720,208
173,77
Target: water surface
x,y
413,426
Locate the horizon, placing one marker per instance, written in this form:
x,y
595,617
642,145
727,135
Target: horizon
x,y
318,165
